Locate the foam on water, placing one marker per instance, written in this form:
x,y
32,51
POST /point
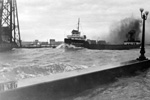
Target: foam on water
x,y
60,46
24,63
67,46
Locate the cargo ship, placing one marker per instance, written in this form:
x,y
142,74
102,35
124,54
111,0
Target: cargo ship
x,y
79,40
106,46
76,38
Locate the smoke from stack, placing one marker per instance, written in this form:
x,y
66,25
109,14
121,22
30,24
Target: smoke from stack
x,y
119,32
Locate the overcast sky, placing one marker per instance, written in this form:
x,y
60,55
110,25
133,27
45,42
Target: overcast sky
x,y
54,19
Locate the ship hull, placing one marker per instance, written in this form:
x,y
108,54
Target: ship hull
x,y
111,46
86,44
77,43
7,46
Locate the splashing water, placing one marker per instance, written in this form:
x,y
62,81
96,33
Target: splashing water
x,y
67,46
119,31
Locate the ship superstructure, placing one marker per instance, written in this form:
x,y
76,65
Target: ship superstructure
x,y
76,38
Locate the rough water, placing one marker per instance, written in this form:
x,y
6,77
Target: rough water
x,y
19,64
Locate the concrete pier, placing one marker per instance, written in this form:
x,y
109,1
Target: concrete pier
x,y
68,84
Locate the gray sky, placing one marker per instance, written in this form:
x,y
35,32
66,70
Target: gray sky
x,y
46,19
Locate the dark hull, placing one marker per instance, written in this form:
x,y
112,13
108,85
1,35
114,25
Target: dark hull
x,y
7,46
111,46
85,44
77,43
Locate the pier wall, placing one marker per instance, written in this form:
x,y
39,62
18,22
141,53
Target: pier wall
x,y
69,84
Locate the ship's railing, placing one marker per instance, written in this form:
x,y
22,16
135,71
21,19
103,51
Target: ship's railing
x,y
76,36
131,43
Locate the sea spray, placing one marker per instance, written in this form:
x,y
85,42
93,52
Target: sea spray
x,y
119,31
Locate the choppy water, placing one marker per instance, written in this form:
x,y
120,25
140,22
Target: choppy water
x,y
19,64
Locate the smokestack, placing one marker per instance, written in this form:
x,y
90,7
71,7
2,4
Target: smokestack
x,y
126,29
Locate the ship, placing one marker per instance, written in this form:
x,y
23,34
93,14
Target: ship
x,y
76,38
79,40
9,26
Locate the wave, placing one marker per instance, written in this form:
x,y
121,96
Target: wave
x,y
68,47
34,70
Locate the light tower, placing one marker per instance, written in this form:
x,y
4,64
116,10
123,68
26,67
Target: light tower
x,y
9,22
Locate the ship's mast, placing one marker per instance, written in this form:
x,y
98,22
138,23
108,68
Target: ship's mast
x,y
78,24
9,23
